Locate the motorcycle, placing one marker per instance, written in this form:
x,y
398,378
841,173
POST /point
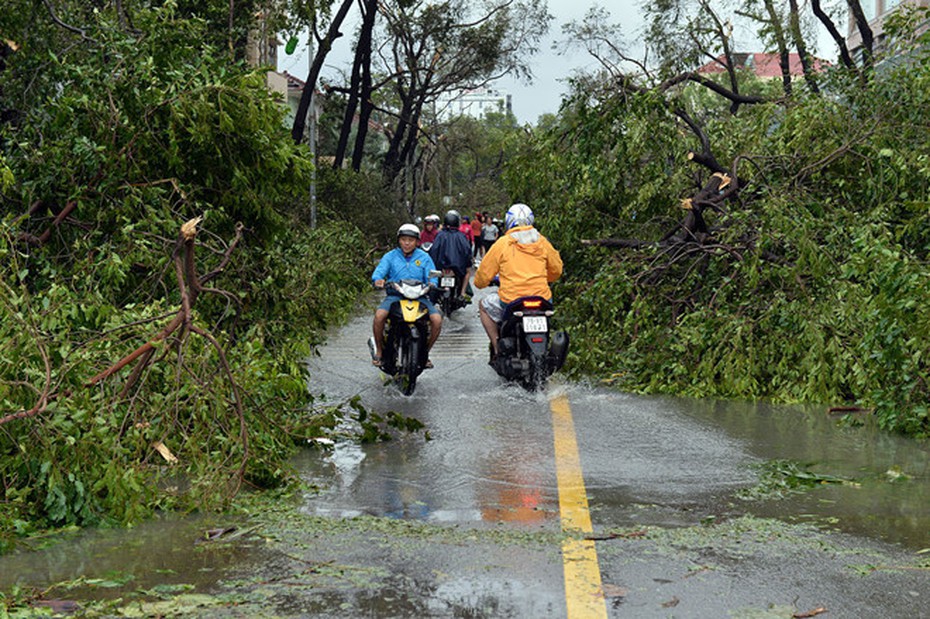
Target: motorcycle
x,y
528,350
446,295
406,334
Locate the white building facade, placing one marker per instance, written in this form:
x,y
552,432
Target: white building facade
x,y
475,103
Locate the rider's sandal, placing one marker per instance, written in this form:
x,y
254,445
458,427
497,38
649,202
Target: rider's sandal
x,y
428,365
376,361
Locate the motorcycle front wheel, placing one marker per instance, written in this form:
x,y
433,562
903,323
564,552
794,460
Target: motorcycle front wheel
x,y
408,366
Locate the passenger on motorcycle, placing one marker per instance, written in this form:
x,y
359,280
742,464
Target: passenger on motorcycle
x,y
406,261
526,263
451,250
430,229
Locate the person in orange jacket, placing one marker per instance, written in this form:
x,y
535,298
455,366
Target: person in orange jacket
x,y
476,225
525,262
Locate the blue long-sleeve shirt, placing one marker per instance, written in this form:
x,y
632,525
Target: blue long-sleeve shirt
x,y
395,266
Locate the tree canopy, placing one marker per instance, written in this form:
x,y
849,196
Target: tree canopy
x,y
771,249
160,285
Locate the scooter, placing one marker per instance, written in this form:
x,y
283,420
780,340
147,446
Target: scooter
x,y
406,334
528,351
446,295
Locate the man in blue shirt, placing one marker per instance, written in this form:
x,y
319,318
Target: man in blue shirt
x,y
451,250
406,261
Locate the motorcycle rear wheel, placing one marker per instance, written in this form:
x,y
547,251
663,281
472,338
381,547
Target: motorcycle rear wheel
x,y
448,305
535,378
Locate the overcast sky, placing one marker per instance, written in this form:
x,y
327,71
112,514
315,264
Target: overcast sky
x,y
529,101
550,69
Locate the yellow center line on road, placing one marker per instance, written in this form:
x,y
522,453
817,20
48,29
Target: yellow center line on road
x,y
584,594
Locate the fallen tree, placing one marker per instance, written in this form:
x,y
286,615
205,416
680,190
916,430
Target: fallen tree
x,y
792,274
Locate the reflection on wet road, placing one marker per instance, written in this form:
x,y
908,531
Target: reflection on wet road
x,y
491,457
657,460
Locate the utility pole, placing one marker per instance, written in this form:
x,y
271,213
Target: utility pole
x,y
312,121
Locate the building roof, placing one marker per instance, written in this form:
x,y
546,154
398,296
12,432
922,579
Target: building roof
x,y
762,64
294,82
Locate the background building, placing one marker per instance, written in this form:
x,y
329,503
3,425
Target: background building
x,y
764,65
876,11
475,103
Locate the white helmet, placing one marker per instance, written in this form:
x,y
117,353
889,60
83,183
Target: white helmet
x,y
433,218
408,230
518,215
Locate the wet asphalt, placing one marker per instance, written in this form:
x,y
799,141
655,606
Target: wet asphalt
x,y
467,521
660,477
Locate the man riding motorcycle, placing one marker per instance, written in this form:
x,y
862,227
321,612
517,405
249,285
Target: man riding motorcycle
x,y
406,261
526,263
451,250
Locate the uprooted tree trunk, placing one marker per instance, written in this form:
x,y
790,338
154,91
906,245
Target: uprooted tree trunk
x,y
693,228
722,185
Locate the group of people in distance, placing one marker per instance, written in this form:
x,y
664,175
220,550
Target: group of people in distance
x,y
481,231
522,259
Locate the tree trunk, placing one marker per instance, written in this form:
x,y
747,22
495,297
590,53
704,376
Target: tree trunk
x,y
862,23
784,59
837,37
365,38
392,163
348,115
300,121
805,56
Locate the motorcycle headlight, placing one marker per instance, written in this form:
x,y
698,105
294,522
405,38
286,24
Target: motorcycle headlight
x,y
411,290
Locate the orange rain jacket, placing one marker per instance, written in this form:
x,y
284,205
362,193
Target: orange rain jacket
x,y
526,262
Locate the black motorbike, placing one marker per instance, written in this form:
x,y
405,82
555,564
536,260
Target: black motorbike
x,y
446,295
528,350
406,334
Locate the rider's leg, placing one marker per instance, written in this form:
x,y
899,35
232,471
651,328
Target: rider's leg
x,y
465,282
435,326
377,327
490,326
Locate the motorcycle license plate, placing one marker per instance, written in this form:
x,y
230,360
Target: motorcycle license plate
x,y
447,282
535,324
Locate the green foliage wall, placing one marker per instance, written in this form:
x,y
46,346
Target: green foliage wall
x,y
825,299
119,137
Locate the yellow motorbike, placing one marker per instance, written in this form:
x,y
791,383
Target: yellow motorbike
x,y
406,334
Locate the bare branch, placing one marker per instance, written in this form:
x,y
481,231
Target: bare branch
x,y
68,27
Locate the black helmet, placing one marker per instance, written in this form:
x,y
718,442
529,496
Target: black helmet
x,y
452,219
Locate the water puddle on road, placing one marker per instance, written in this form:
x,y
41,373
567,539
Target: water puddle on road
x,y
857,478
646,460
492,469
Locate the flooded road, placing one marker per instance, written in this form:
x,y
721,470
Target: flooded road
x,y
469,521
677,460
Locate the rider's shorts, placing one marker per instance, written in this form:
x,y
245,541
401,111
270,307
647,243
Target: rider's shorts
x,y
389,301
493,305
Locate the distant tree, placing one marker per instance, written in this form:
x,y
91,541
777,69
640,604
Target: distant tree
x,y
421,50
325,29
